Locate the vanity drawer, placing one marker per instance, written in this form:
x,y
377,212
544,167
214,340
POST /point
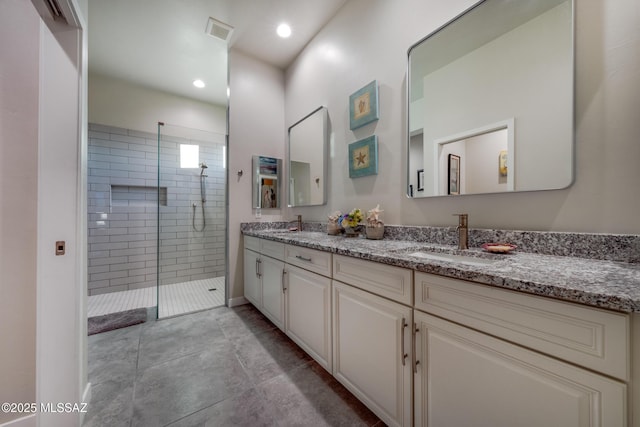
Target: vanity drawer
x,y
309,259
272,249
594,338
252,243
384,280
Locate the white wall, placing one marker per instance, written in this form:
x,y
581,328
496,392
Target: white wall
x,y
256,127
114,102
368,39
44,333
19,64
59,327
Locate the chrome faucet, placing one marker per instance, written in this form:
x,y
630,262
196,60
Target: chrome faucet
x,y
299,221
463,231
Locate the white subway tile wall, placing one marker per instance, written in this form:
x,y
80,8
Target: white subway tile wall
x,y
123,211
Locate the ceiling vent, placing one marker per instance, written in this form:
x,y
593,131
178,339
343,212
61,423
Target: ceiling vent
x,y
218,29
55,9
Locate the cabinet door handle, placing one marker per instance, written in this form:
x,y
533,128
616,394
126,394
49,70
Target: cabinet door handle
x,y
403,355
413,348
284,287
257,273
258,267
303,258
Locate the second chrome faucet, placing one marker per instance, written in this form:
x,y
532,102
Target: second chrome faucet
x,y
298,221
463,230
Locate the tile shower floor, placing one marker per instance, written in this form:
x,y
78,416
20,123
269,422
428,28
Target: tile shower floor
x,y
175,299
220,367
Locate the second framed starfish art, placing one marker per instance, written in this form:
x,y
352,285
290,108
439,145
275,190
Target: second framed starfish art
x,y
363,157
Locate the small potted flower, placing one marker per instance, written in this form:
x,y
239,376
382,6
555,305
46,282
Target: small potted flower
x,y
351,221
374,227
333,226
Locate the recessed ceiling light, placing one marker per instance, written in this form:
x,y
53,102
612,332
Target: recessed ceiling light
x,y
198,83
284,30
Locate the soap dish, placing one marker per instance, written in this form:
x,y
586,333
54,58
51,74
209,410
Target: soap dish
x,y
499,248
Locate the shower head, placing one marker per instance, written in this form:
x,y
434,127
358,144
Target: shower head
x,y
203,166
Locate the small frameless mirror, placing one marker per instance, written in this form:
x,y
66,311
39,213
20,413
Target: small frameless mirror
x,y
308,144
491,99
266,182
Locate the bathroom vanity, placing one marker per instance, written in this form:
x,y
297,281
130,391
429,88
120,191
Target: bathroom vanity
x,y
426,335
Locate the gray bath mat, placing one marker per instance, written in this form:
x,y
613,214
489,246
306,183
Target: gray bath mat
x,y
112,321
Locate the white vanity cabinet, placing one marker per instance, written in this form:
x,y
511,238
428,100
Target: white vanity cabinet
x,y
252,280
308,306
273,304
264,278
296,299
485,360
308,301
372,351
372,336
427,350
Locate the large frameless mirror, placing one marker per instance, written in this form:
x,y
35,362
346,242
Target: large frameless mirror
x,y
491,98
308,144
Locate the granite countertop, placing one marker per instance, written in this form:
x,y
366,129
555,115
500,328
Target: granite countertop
x,y
599,283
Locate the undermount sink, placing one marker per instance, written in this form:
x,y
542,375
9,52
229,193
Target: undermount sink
x,y
461,259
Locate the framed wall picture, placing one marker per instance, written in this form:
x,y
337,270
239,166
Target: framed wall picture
x,y
363,157
363,106
420,180
454,174
502,163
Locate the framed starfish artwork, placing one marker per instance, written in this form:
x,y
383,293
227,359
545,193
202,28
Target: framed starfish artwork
x,y
363,157
363,106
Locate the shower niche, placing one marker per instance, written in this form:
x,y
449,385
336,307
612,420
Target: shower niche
x,y
136,195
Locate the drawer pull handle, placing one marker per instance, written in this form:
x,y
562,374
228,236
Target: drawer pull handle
x,y
403,355
303,258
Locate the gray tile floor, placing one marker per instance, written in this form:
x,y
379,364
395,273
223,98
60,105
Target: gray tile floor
x,y
221,367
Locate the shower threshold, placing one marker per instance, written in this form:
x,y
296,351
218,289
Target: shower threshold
x,y
175,299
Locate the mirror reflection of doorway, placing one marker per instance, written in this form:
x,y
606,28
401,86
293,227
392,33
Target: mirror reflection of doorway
x,y
484,161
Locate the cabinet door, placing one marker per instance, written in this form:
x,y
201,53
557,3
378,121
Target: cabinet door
x,y
466,378
252,280
372,351
273,290
308,313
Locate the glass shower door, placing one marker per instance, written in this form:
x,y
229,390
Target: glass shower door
x,y
191,220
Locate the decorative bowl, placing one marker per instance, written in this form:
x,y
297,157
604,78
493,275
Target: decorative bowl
x,y
499,248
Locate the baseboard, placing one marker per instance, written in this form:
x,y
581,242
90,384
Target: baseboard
x,y
28,421
234,302
86,399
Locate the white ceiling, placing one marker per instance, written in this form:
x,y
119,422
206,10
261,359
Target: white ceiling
x,y
162,43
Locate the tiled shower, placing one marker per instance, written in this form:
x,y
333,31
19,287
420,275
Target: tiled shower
x,y
126,195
